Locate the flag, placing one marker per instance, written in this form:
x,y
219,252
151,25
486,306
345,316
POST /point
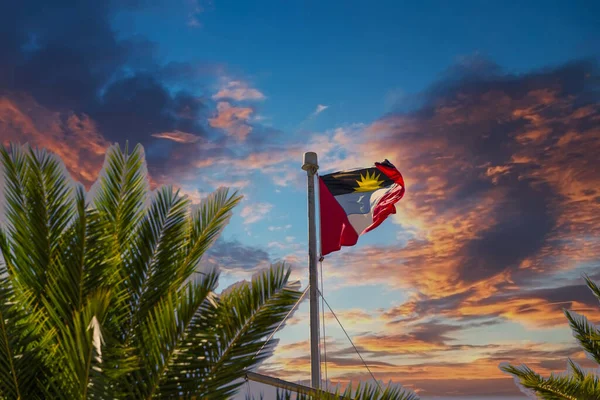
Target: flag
x,y
355,202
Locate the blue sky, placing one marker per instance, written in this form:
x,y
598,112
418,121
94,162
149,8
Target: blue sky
x,y
489,110
306,53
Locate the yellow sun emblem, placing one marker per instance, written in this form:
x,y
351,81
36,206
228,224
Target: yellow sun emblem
x,y
368,183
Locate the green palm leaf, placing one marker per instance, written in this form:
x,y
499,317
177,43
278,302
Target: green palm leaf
x,y
160,250
207,222
577,384
21,367
39,208
77,362
246,313
121,192
593,287
586,334
556,387
120,197
164,334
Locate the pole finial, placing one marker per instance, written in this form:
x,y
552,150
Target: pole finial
x,y
310,161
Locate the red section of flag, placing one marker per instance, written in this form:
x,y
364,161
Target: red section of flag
x,y
336,230
385,206
391,172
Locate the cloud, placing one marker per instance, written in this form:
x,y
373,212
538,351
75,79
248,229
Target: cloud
x,y
234,257
265,159
239,91
255,212
500,209
349,317
194,10
535,308
122,87
235,184
194,195
499,178
177,136
320,108
499,220
138,107
232,120
474,376
279,228
23,120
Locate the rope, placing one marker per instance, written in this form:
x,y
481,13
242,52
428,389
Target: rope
x,y
248,392
281,323
352,343
323,317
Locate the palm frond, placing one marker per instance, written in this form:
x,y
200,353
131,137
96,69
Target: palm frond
x,y
119,206
161,249
21,367
577,383
189,361
77,363
121,192
119,197
593,287
586,334
556,387
65,289
207,222
247,313
576,370
39,208
163,339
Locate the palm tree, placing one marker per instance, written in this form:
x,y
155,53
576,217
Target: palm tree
x,y
100,293
578,384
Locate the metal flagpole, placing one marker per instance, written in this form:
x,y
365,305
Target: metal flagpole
x,y
311,166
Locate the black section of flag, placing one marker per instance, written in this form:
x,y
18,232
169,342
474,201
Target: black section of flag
x,y
344,182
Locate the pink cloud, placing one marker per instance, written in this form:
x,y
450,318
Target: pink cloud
x,y
239,91
178,136
73,137
475,157
233,120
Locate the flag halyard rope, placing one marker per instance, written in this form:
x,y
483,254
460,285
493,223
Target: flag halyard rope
x,y
352,343
323,317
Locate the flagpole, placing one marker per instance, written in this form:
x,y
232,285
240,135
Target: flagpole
x,y
311,166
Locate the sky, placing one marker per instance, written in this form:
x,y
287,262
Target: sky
x,y
490,110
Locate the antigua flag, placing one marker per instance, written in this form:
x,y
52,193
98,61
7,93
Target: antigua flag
x,y
355,202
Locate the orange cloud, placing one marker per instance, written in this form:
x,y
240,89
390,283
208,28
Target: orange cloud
x,y
350,318
475,374
232,120
501,198
74,138
501,185
239,91
530,312
178,136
